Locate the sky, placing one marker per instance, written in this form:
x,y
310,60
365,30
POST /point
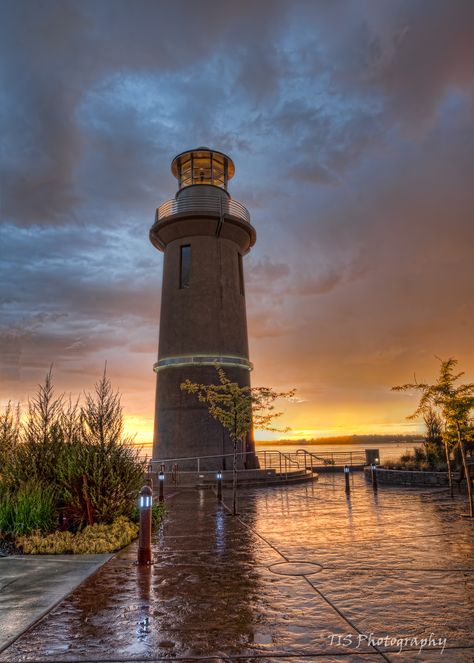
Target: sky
x,y
350,123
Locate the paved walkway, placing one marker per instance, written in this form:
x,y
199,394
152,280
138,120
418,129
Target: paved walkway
x,y
302,574
31,585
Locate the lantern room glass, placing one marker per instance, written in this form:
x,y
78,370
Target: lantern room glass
x,y
203,167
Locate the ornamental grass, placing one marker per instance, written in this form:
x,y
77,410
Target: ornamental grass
x,y
93,539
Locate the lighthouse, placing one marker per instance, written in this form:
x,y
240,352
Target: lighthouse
x,y
204,234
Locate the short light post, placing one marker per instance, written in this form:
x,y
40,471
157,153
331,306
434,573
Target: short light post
x,y
144,538
374,476
346,476
161,482
219,485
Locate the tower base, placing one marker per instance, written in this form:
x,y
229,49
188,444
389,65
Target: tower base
x,y
184,429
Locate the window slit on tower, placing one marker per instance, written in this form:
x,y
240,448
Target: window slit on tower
x,y
241,274
184,265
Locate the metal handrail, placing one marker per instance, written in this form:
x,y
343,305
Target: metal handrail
x,y
283,461
340,457
202,203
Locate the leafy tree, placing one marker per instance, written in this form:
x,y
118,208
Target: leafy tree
x,y
434,428
455,403
436,445
237,408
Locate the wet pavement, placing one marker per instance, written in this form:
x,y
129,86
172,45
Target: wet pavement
x,y
30,585
303,573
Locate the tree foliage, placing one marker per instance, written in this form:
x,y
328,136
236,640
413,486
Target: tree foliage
x,y
238,409
455,403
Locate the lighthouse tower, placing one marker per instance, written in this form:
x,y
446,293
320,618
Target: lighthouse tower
x,y
204,234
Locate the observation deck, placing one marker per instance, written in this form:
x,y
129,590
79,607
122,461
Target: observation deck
x,y
202,204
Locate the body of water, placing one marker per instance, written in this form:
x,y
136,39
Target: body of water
x,y
388,450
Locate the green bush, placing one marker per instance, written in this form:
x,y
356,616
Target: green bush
x,y
93,539
422,459
92,470
158,512
9,433
31,508
103,478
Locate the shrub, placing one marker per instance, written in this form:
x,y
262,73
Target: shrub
x,y
422,459
30,508
93,470
419,456
9,433
98,482
94,539
158,512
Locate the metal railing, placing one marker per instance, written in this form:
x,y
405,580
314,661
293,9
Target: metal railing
x,y
202,203
333,458
279,461
282,463
191,461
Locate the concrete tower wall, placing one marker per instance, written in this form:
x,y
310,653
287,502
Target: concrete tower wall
x,y
208,317
183,426
203,320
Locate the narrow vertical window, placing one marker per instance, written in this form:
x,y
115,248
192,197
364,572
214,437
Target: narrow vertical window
x,y
241,274
184,265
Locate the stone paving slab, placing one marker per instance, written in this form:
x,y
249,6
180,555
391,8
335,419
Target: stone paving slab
x,y
31,585
300,567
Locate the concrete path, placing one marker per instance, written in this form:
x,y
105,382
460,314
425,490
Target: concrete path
x,y
31,585
303,573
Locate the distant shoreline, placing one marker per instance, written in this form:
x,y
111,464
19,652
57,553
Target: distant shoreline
x,y
326,441
405,439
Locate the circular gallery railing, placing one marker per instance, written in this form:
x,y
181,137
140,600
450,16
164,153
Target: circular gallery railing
x,y
202,203
203,360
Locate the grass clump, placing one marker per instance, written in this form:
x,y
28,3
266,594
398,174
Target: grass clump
x,y
31,507
93,539
158,512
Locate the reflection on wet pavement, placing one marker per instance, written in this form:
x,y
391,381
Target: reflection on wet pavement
x,y
303,572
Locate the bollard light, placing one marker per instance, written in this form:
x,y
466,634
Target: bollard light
x,y
145,502
346,475
374,475
161,481
219,485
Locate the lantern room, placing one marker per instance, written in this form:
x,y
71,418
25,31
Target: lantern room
x,y
202,166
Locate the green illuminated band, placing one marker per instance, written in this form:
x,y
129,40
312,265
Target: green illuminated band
x,y
202,360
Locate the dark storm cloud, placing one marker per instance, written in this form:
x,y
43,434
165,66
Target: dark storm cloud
x,y
350,123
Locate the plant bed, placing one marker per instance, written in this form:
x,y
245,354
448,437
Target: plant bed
x,y
92,540
409,477
69,476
